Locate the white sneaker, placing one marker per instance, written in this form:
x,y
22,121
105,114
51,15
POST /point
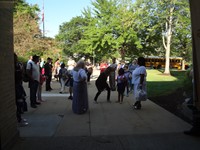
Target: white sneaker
x,y
23,124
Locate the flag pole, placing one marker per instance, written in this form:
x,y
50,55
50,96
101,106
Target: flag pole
x,y
43,20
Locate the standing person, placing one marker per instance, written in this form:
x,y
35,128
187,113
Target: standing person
x,y
101,84
48,73
132,66
89,71
128,76
122,64
71,63
139,79
121,84
34,75
20,92
55,68
80,93
103,66
112,75
63,76
39,91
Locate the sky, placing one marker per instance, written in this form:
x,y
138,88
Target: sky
x,y
57,12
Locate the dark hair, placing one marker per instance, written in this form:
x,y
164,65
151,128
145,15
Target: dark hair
x,y
35,57
62,65
121,71
141,61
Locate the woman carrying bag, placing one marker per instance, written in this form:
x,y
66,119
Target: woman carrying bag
x,y
139,80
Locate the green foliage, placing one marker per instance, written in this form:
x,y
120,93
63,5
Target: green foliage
x,y
28,38
106,31
69,36
111,28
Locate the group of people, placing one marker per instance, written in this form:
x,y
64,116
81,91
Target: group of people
x,y
127,77
77,77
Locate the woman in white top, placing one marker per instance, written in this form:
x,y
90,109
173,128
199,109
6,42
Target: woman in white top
x,y
139,79
80,93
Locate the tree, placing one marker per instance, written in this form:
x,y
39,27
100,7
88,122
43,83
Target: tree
x,y
110,30
69,36
163,17
28,38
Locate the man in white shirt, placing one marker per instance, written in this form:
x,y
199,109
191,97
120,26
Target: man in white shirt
x,y
33,71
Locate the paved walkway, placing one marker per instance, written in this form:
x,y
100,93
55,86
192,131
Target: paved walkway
x,y
106,126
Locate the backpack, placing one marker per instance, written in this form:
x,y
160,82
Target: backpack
x,y
26,77
63,73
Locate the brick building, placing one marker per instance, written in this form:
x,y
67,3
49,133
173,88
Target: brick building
x,y
8,122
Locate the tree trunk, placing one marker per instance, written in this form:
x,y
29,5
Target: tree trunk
x,y
168,44
183,65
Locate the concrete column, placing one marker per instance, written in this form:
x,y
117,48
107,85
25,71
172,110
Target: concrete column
x,y
195,18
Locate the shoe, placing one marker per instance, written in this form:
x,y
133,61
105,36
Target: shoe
x,y
33,106
60,92
137,107
192,132
23,124
40,100
37,103
95,102
70,97
24,120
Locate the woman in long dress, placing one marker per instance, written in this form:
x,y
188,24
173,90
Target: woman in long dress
x,y
80,93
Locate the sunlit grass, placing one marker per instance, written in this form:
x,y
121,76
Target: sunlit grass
x,y
159,84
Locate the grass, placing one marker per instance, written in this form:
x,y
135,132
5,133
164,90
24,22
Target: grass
x,y
159,84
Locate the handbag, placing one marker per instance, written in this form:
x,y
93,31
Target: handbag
x,y
141,95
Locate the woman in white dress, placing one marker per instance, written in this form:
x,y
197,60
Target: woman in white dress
x,y
80,93
139,80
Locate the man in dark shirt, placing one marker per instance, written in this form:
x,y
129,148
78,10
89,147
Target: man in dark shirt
x,y
48,73
101,84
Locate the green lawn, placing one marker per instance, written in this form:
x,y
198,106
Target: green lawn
x,y
159,84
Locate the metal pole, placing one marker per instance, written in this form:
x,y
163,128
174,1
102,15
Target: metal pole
x,y
43,20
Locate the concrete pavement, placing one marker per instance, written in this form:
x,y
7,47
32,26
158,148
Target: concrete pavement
x,y
113,126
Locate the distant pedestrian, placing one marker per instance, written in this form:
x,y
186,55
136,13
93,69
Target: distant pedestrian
x,y
128,76
121,84
80,93
56,69
63,76
48,73
39,91
101,84
70,66
89,71
139,80
132,66
112,76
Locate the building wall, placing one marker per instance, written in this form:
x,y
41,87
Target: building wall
x,y
195,18
8,122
